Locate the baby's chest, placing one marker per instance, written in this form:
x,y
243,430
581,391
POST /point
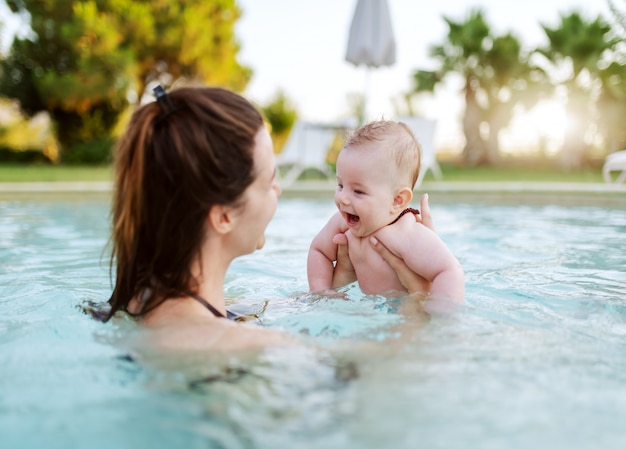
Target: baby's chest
x,y
365,259
374,274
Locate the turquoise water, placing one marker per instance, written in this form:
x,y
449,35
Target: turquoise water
x,y
536,358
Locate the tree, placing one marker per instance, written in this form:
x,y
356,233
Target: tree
x,y
508,80
612,106
192,39
461,53
497,76
619,16
281,115
74,69
89,55
576,47
612,99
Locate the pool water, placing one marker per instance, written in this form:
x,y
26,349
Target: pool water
x,y
535,358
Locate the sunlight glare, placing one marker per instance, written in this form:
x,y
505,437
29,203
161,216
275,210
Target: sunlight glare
x,y
540,129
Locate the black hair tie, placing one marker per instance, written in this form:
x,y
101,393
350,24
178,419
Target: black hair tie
x,y
165,101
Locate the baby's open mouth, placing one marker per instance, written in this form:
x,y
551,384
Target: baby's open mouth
x,y
352,219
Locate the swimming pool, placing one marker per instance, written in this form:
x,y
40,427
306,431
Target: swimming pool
x,y
536,358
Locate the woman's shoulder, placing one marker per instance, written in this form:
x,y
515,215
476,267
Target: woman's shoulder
x,y
213,334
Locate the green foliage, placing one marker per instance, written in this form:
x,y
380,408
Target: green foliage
x,y
497,79
89,55
578,42
611,106
95,152
188,39
74,69
280,113
508,81
28,156
463,51
425,80
466,43
579,48
619,15
500,77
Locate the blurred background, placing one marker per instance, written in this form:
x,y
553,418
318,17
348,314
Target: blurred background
x,y
534,83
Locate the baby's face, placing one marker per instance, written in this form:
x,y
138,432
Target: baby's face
x,y
367,180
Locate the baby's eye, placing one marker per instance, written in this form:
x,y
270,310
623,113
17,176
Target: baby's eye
x,y
358,192
339,186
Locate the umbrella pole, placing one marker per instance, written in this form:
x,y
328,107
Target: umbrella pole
x,y
363,117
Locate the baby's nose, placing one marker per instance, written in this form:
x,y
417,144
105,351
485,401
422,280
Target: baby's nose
x,y
343,198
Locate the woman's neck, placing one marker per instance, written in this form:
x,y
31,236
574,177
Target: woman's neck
x,y
210,273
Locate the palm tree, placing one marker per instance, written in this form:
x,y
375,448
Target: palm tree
x,y
612,106
497,77
619,16
576,47
508,80
612,100
462,53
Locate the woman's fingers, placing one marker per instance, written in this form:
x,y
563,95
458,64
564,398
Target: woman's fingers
x,y
344,271
425,217
341,239
413,282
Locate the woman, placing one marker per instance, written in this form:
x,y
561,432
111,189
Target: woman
x,y
195,187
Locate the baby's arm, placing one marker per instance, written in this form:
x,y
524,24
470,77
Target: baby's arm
x,y
428,256
322,254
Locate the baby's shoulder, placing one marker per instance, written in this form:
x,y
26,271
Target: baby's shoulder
x,y
403,232
406,220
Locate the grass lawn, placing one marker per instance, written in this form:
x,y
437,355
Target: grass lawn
x,y
453,173
54,173
516,174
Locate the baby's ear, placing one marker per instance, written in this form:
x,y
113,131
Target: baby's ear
x,y
403,198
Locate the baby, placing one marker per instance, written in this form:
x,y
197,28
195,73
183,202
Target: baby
x,y
376,173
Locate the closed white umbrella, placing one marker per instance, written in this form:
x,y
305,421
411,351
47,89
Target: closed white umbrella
x,y
371,42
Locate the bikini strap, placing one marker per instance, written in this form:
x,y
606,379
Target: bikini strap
x,y
235,316
406,211
206,304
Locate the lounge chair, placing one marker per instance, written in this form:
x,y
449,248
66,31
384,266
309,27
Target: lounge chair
x,y
615,162
424,132
306,148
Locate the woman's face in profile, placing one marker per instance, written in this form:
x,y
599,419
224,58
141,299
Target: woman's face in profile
x,y
261,197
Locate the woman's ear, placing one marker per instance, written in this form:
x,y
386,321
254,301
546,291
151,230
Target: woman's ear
x,y
220,218
402,198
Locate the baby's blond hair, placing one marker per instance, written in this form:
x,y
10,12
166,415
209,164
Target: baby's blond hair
x,y
397,139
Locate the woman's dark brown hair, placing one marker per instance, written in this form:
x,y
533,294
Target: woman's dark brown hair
x,y
171,166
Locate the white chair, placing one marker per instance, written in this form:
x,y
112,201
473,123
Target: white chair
x,y
424,131
615,162
306,148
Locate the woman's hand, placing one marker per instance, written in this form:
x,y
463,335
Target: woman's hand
x,y
413,282
425,217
